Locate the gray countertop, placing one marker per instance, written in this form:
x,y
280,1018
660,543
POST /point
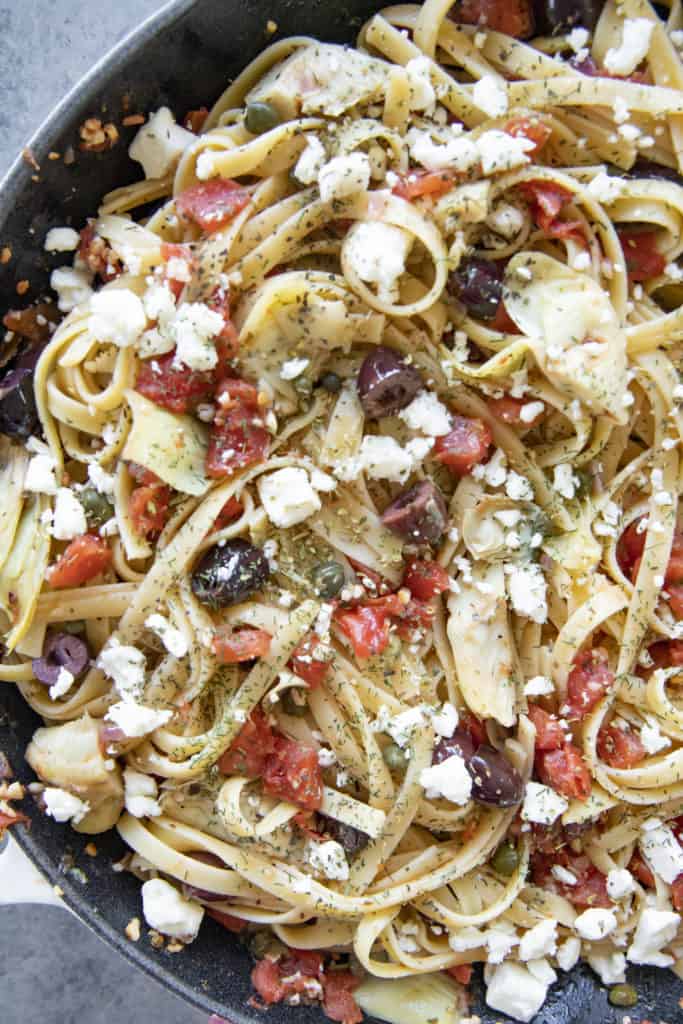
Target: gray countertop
x,y
52,969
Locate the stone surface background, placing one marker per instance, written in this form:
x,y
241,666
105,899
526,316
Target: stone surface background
x,y
52,969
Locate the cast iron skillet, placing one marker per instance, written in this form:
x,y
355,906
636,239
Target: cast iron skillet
x,y
183,57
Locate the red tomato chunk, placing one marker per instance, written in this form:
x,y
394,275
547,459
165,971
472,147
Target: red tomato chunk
x,y
238,437
234,646
549,732
177,389
643,258
250,748
565,771
149,508
212,204
465,446
620,748
513,17
338,1001
527,128
425,580
416,184
546,202
293,773
85,557
508,410
590,678
303,664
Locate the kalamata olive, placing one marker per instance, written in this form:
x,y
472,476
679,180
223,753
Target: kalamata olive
x,y
328,579
395,758
460,743
505,859
260,117
62,650
554,17
97,507
331,382
352,839
419,514
229,574
478,283
386,383
495,782
18,413
195,893
643,168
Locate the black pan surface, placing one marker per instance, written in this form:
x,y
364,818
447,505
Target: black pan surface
x,y
183,57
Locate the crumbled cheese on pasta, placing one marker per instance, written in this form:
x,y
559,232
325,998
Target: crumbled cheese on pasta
x,y
663,852
288,497
377,253
620,883
541,940
445,720
159,144
64,806
449,780
565,481
516,990
125,666
103,482
656,928
65,681
568,953
595,924
173,639
527,590
650,734
539,686
422,94
633,48
563,875
542,804
312,158
195,328
62,240
609,967
499,151
40,473
506,220
343,176
458,152
167,911
518,487
427,414
69,518
140,794
293,368
136,719
490,95
117,316
329,860
383,458
605,188
72,287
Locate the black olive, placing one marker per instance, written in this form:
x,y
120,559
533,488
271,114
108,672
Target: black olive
x,y
643,168
331,382
495,782
460,743
61,650
419,514
554,17
18,413
478,283
386,383
229,574
98,509
350,838
328,579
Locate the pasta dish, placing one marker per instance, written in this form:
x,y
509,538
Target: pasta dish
x,y
340,551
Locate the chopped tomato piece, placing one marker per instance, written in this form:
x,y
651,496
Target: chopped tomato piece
x,y
229,921
474,726
32,323
304,665
179,265
465,446
503,322
666,654
589,680
461,972
675,592
148,508
367,628
194,120
265,978
142,475
620,748
238,437
630,546
231,646
302,961
175,388
425,580
227,343
674,570
250,748
677,893
338,1001
566,771
590,889
212,204
513,17
643,258
529,128
292,772
508,410
549,732
230,511
642,872
416,184
85,557
546,202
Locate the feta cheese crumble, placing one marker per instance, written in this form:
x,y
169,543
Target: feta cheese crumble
x,y
159,144
117,316
542,804
167,911
427,414
140,794
64,806
595,924
124,665
635,42
490,95
377,253
515,990
343,176
663,852
69,518
329,860
135,719
194,329
288,497
62,240
449,780
173,640
656,928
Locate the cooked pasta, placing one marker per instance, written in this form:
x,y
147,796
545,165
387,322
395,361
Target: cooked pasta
x,y
345,565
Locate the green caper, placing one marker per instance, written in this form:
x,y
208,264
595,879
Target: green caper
x,y
98,509
328,579
75,627
505,859
261,117
331,382
294,702
623,995
263,942
395,758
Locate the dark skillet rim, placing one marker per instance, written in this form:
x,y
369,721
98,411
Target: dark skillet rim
x,y
78,98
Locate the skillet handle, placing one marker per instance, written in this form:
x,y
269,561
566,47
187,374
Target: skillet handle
x,y
20,879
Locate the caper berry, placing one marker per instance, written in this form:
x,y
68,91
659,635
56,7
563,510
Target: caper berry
x,y
261,117
293,702
331,382
328,579
98,509
505,859
395,758
623,995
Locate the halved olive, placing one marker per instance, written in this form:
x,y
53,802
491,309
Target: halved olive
x,y
386,383
260,117
495,781
229,574
419,514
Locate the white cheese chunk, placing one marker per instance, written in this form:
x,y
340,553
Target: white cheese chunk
x,y
72,287
117,316
102,481
539,941
140,794
595,923
568,953
563,875
542,804
69,518
124,665
195,328
499,151
173,640
651,736
136,719
329,860
377,252
293,368
490,95
527,591
65,681
312,158
40,474
620,883
609,967
288,497
458,152
663,852
63,806
383,458
159,144
655,929
344,176
169,912
506,220
422,94
445,720
514,990
539,686
564,481
62,240
605,188
449,780
427,414
635,42
402,726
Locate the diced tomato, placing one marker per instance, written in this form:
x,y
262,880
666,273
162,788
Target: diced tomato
x,y
227,343
675,592
546,202
503,322
461,972
302,961
148,509
425,580
465,446
677,893
265,977
642,872
32,323
674,570
591,885
7,820
338,1001
367,628
370,574
549,732
312,670
142,475
229,921
194,120
97,255
231,646
416,184
643,258
178,272
666,654
212,204
620,748
513,17
177,389
508,410
238,437
529,128
566,771
474,726
588,681
230,511
292,772
250,748
85,557
630,546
